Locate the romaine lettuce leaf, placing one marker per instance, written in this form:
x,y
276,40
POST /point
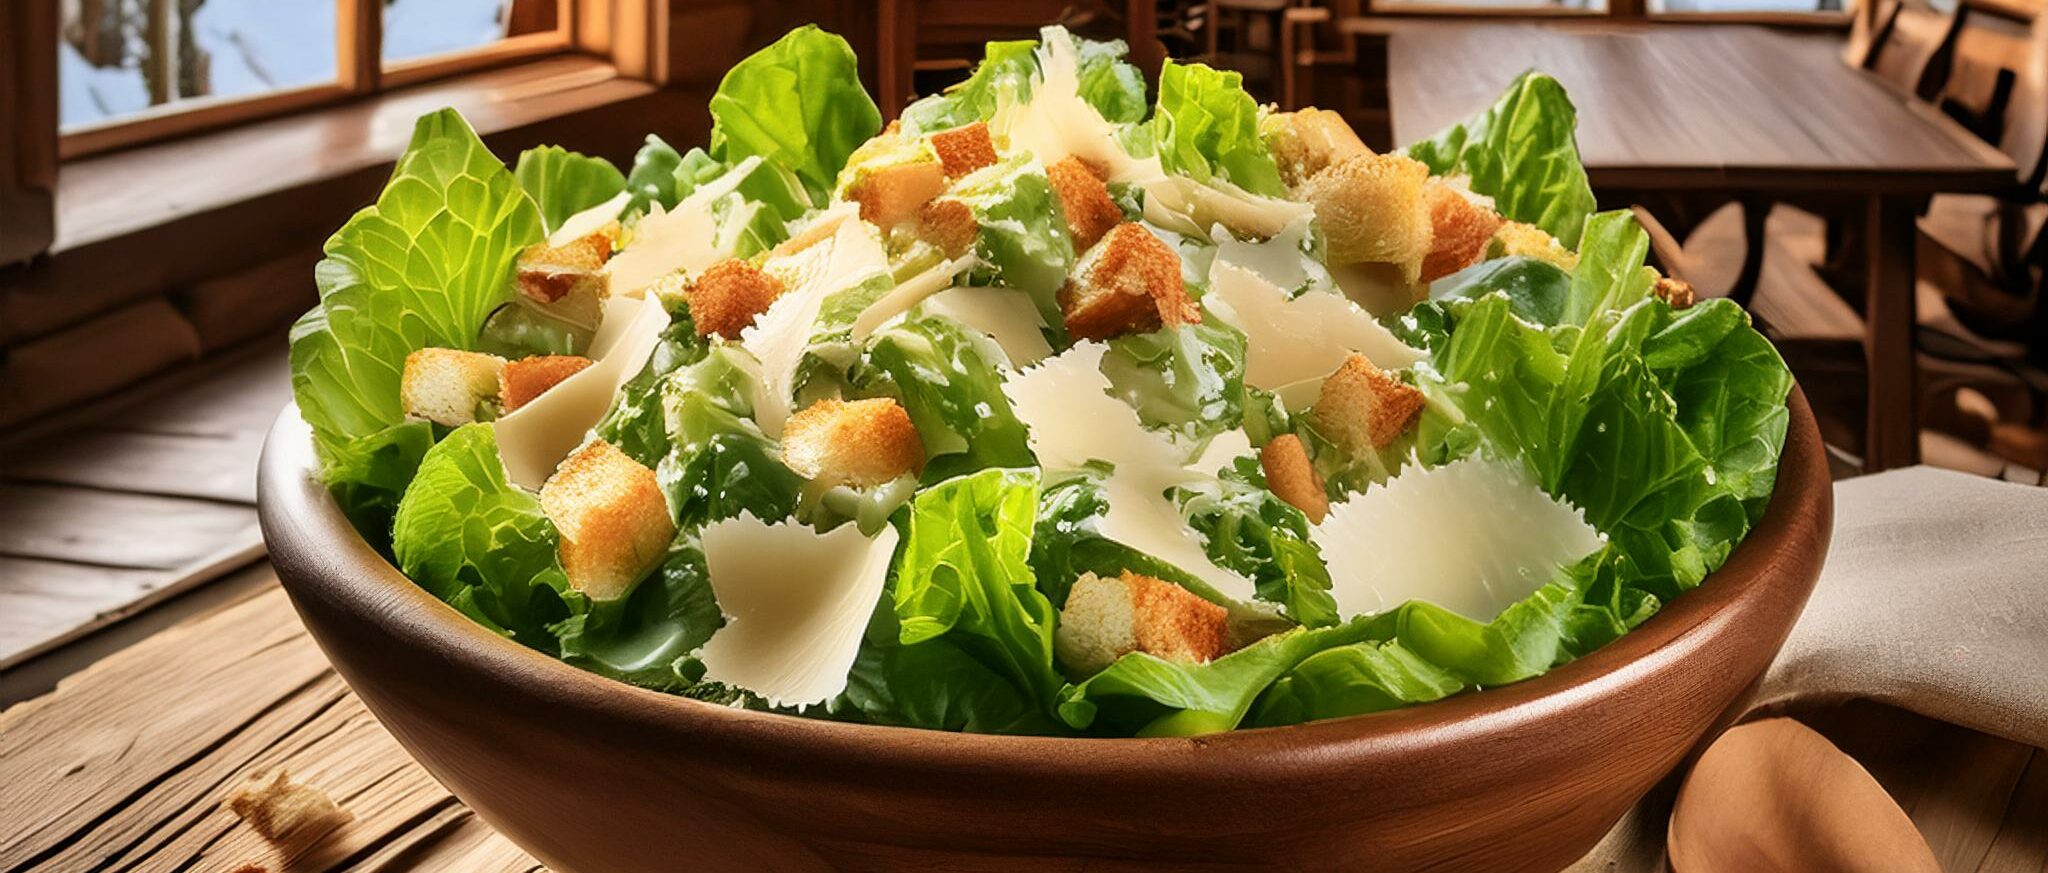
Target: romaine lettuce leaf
x,y
478,542
424,266
635,421
645,636
1023,237
1523,153
951,385
1008,71
1146,696
720,463
1536,290
964,577
1189,380
1257,534
798,104
1206,127
652,178
563,183
935,685
1610,274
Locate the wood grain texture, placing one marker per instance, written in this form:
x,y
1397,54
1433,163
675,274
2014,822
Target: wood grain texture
x,y
1700,107
508,730
115,529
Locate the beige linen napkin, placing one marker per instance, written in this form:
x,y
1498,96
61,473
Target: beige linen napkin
x,y
1934,599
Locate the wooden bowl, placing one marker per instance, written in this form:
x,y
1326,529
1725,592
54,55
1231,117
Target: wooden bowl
x,y
593,775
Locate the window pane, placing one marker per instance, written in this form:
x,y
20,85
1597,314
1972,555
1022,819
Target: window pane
x,y
423,28
120,57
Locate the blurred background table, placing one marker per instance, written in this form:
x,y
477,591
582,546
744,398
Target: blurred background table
x,y
1735,112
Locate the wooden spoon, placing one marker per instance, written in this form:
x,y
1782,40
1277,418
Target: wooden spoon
x,y
1773,795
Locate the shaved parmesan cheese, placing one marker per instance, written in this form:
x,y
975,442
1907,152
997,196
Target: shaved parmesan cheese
x,y
796,604
910,293
1005,314
685,238
1073,420
1289,341
777,339
1056,123
1278,260
1222,449
534,438
590,220
1473,536
1184,205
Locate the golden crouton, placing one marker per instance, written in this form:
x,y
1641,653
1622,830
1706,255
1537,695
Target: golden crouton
x,y
891,195
1527,240
1291,477
1372,211
1128,283
1360,407
948,224
449,386
1085,201
283,811
852,442
1676,292
729,296
612,516
569,279
1459,230
524,379
1105,619
964,149
1307,141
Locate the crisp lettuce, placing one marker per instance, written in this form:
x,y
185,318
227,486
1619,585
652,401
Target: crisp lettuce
x,y
1206,127
798,104
647,636
1186,379
478,542
635,423
951,384
1251,531
424,266
720,463
1610,275
563,183
964,577
1022,238
652,178
1146,696
1008,72
1524,154
1536,290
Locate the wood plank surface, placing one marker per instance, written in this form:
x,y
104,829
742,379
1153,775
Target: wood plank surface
x,y
116,529
1706,106
124,767
217,467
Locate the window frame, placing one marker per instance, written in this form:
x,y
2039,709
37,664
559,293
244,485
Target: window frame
x,y
359,71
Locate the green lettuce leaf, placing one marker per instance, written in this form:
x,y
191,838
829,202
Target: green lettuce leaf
x,y
644,637
1189,380
798,104
1006,67
652,178
1206,127
424,266
635,422
964,577
936,685
720,463
1536,290
1023,239
1524,154
1146,696
1610,274
563,183
951,384
480,543
1255,533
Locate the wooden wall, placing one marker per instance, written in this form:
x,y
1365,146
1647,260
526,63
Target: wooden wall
x,y
28,129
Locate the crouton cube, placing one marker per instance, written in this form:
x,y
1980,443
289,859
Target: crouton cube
x,y
964,149
729,296
862,443
1360,407
569,279
1515,238
1459,230
891,195
1293,478
527,378
1307,141
1085,201
449,386
949,224
283,811
1372,211
1105,619
1128,283
612,516
1676,292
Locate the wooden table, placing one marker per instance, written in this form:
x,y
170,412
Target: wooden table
x,y
1727,108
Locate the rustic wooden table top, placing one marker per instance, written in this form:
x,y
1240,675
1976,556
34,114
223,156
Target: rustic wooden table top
x,y
1700,106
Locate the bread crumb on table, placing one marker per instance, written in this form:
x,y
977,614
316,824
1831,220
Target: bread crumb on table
x,y
284,811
